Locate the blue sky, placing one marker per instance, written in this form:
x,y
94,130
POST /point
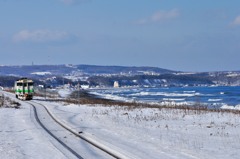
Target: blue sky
x,y
184,35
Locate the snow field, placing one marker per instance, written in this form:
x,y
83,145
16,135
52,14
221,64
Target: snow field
x,y
155,133
138,132
20,138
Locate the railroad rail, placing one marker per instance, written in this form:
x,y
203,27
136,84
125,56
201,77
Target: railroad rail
x,y
51,134
101,147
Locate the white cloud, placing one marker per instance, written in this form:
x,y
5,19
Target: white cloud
x,y
165,15
160,16
236,22
40,36
141,21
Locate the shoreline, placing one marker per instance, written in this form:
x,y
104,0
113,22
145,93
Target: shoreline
x,y
92,99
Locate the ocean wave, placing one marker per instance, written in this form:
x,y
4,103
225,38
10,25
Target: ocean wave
x,y
214,100
173,99
165,94
237,107
110,96
189,91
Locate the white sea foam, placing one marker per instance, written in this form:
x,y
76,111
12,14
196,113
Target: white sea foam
x,y
189,91
173,99
110,96
165,94
237,107
214,100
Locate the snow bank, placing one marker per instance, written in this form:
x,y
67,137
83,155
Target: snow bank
x,y
41,73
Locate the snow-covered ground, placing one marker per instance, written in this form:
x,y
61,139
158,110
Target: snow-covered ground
x,y
140,133
21,138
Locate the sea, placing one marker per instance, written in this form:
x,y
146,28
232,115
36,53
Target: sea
x,y
212,97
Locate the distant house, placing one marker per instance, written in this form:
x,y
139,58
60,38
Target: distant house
x,y
116,84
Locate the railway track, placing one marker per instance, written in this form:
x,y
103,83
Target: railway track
x,y
51,134
73,142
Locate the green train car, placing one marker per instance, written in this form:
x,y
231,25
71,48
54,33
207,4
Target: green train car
x,y
24,89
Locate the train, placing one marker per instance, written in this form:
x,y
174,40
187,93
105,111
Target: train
x,y
24,89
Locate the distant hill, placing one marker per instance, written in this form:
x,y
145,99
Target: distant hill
x,y
105,76
40,70
164,80
91,69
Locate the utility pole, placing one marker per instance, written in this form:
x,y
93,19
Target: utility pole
x,y
45,88
78,94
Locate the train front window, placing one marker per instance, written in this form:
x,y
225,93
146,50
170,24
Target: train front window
x,y
30,84
19,84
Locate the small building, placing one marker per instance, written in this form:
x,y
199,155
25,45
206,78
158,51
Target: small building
x,y
116,84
